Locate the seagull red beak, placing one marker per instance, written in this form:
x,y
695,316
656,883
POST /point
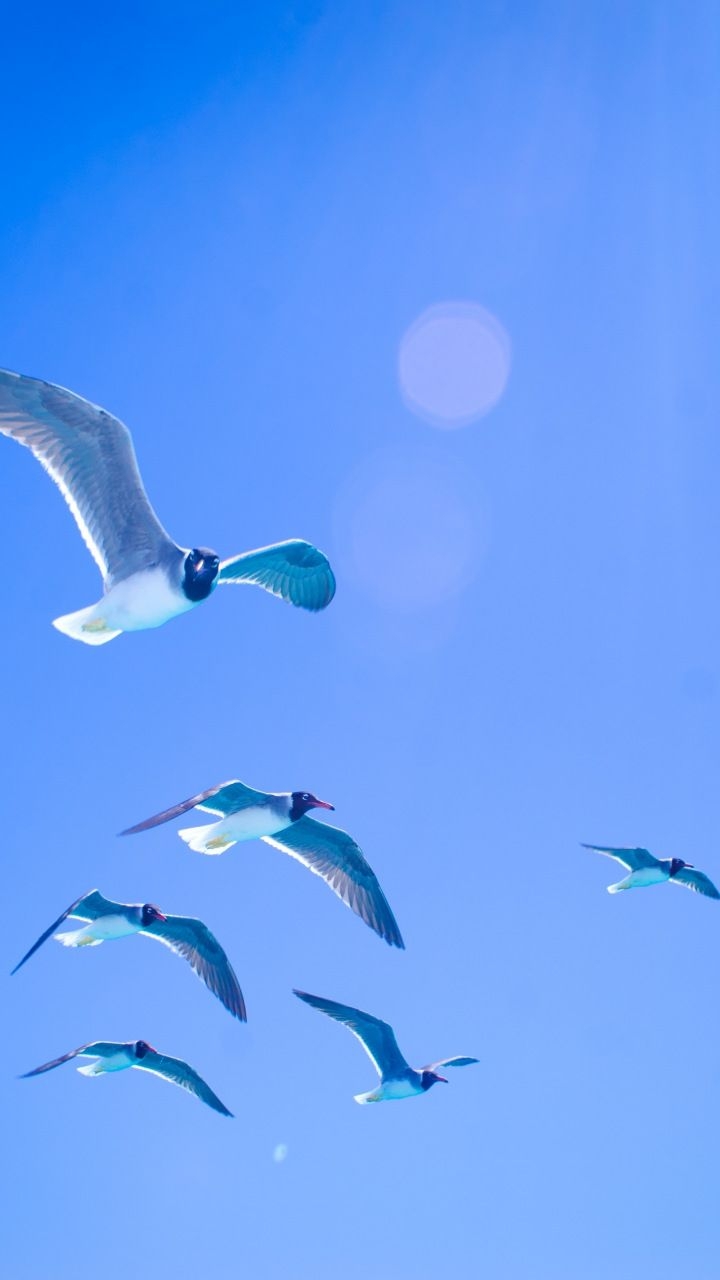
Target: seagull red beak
x,y
442,1079
323,804
159,915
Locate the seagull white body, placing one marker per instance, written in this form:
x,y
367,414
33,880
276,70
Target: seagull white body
x,y
123,1060
106,929
398,1080
148,579
139,603
646,870
253,823
280,818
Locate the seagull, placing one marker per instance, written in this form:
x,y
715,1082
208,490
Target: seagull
x,y
147,578
113,1055
397,1079
187,937
279,818
646,870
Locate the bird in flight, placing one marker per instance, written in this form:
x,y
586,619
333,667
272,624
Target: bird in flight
x,y
187,937
397,1079
112,1055
147,578
280,819
646,870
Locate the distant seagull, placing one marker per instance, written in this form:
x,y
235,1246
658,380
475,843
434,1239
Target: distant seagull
x,y
646,870
113,1055
397,1079
279,819
188,938
147,578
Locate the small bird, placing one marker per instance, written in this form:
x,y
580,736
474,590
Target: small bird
x,y
187,937
646,870
397,1079
147,578
113,1055
280,819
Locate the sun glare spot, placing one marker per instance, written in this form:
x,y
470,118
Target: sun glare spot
x,y
453,364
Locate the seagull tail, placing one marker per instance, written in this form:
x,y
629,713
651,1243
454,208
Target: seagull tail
x,y
364,1098
92,1068
202,839
87,625
77,938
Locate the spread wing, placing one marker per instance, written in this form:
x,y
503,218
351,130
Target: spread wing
x,y
377,1038
633,859
294,570
695,880
90,456
91,906
180,1073
334,855
228,797
451,1062
192,940
94,1049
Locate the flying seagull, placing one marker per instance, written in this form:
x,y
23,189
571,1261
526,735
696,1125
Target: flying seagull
x,y
188,938
147,578
113,1055
397,1079
646,870
280,819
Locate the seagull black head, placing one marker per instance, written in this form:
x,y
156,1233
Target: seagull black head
x,y
201,570
677,864
304,800
151,913
429,1078
142,1047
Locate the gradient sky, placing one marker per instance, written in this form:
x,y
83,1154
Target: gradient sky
x,y
219,222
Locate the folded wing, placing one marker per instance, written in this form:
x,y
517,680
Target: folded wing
x,y
294,570
90,456
192,940
333,854
376,1037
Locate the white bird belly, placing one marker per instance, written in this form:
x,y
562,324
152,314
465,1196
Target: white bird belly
x,y
110,927
118,1062
253,823
647,876
390,1091
143,601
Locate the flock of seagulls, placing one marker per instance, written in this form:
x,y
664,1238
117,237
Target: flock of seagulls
x,y
148,580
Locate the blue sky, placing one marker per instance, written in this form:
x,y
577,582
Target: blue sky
x,y
219,223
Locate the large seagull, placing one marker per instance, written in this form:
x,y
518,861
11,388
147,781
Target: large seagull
x,y
147,578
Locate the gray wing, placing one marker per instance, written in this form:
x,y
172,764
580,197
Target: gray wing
x,y
333,854
633,859
228,797
91,906
377,1038
192,940
451,1062
180,1073
90,456
94,1049
294,570
695,880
